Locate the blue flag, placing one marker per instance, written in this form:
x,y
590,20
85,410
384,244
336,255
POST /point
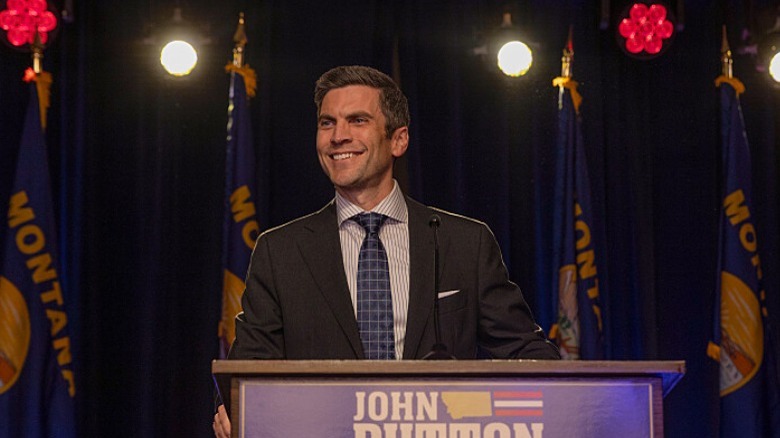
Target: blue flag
x,y
240,225
37,384
748,373
575,285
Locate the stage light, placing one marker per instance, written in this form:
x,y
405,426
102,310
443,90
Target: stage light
x,y
178,55
178,43
645,30
178,58
505,47
769,53
513,57
774,68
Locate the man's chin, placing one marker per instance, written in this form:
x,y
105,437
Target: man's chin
x,y
346,186
348,180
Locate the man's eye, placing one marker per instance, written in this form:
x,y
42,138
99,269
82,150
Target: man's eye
x,y
359,120
325,123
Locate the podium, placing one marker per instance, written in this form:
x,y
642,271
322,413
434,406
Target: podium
x,y
437,399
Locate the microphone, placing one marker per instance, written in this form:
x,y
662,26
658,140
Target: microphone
x,y
439,350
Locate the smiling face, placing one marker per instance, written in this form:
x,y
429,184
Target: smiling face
x,y
353,147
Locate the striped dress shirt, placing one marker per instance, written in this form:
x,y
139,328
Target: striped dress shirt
x,y
394,235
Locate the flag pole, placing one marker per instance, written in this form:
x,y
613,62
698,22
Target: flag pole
x,y
239,65
240,224
568,56
240,39
37,54
566,65
726,67
725,56
565,80
41,78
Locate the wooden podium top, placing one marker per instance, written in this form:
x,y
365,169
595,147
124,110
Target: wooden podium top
x,y
670,372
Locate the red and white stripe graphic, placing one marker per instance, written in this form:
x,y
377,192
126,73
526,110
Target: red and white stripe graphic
x,y
517,403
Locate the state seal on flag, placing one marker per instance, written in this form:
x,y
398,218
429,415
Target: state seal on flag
x,y
14,333
742,344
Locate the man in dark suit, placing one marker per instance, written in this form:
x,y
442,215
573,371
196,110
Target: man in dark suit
x,y
302,297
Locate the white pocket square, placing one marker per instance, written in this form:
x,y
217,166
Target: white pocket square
x,y
445,294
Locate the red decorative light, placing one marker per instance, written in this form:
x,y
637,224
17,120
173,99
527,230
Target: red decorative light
x,y
645,28
29,75
23,18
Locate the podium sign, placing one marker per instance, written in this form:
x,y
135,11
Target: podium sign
x,y
464,399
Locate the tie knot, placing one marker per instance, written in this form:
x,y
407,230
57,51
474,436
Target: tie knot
x,y
371,222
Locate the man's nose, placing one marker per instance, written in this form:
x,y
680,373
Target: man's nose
x,y
341,133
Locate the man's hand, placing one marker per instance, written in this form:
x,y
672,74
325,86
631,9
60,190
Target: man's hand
x,y
221,423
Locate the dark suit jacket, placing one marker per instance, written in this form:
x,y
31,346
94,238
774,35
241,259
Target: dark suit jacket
x,y
297,303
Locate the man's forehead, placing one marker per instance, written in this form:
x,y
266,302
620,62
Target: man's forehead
x,y
351,97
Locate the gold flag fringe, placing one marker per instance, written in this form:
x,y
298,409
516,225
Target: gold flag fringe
x,y
571,84
713,351
249,75
43,82
738,86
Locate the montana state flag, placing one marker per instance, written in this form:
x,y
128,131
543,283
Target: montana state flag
x,y
578,331
37,385
748,376
240,225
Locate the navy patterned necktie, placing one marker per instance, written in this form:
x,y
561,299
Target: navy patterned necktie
x,y
374,300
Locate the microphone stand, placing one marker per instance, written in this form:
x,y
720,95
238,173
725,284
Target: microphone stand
x,y
439,350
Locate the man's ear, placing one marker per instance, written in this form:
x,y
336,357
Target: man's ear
x,y
399,141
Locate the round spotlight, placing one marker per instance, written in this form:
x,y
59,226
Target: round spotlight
x,y
774,68
178,58
769,55
515,58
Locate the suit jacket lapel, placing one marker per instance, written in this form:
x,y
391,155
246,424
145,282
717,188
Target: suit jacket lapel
x,y
321,249
421,271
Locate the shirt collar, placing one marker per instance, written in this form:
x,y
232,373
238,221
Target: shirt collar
x,y
393,206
